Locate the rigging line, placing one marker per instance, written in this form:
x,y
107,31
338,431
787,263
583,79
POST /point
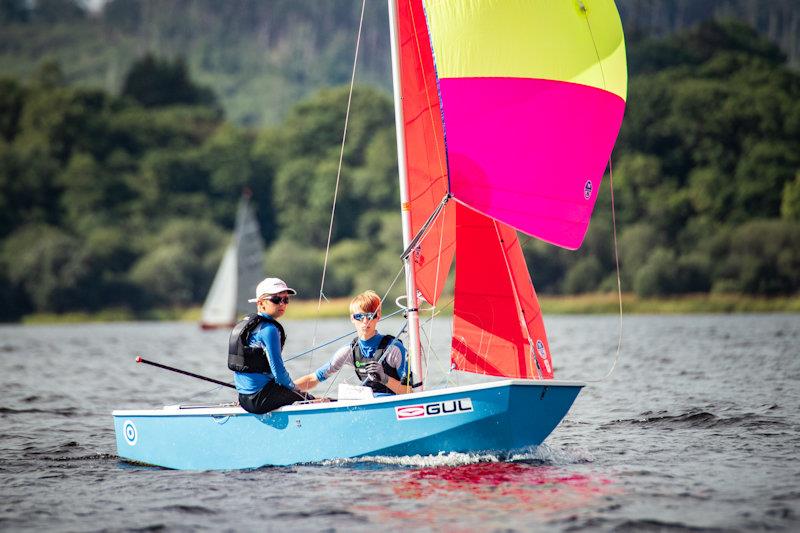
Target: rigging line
x,y
619,282
431,354
613,213
438,142
336,339
201,393
386,294
397,336
402,269
520,313
330,385
429,335
594,43
442,164
439,310
423,231
327,390
338,174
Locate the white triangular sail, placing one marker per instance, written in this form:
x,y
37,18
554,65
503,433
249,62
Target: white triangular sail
x,y
239,272
249,257
219,308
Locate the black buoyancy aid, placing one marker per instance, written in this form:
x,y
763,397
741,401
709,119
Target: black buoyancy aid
x,y
360,360
243,358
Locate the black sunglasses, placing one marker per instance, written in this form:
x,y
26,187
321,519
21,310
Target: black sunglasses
x,y
278,299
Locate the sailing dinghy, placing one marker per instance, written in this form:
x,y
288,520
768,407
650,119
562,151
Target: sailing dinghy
x,y
241,268
506,115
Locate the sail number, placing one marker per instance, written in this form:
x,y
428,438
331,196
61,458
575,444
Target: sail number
x,y
422,410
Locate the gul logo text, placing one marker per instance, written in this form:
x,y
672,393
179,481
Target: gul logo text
x,y
449,407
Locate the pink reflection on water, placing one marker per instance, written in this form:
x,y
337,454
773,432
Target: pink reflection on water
x,y
494,493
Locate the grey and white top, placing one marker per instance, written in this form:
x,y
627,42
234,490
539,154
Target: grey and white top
x,y
395,356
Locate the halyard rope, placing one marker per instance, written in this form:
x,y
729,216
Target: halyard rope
x,y
338,177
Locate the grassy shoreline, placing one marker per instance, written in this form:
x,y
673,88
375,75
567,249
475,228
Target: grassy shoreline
x,y
551,305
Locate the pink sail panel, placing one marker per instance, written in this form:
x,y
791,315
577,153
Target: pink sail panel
x,y
533,154
496,318
425,153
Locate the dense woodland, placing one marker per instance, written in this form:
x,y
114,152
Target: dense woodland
x,y
260,57
126,198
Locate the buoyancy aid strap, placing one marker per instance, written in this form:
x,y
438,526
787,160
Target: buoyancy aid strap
x,y
379,355
241,356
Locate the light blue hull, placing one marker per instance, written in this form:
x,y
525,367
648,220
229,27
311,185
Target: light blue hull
x,y
498,416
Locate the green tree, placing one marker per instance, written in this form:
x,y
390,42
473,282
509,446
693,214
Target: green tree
x,y
28,187
636,243
790,200
180,263
12,11
301,266
583,276
42,260
53,11
762,174
155,82
657,275
762,257
12,99
93,193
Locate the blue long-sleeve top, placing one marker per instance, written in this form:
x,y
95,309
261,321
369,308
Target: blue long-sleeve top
x,y
267,337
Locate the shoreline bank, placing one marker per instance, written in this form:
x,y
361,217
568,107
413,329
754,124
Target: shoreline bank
x,y
583,304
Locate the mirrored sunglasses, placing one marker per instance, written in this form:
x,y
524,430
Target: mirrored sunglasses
x,y
278,299
362,316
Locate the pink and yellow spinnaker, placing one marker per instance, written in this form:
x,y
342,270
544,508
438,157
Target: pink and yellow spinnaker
x,y
532,97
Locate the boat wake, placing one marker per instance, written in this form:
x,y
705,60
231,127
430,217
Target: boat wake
x,y
538,455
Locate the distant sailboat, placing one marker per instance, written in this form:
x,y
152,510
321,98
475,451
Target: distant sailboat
x,y
241,269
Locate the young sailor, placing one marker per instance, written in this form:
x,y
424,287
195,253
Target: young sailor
x,y
388,375
254,352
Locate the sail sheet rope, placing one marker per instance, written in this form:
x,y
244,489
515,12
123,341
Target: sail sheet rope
x,y
619,282
429,334
338,179
613,212
523,324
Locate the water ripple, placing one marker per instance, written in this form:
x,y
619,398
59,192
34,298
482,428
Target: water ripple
x,y
697,419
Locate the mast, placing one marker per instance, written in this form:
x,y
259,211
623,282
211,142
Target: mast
x,y
412,301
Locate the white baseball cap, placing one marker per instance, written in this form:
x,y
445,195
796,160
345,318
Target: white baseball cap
x,y
270,286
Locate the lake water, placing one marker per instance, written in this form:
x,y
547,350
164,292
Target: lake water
x,y
698,429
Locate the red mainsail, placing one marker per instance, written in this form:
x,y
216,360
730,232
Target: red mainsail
x,y
497,324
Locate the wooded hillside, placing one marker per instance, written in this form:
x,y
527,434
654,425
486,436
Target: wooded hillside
x,y
260,57
125,198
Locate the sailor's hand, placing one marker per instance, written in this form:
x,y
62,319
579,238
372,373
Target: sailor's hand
x,y
375,372
320,400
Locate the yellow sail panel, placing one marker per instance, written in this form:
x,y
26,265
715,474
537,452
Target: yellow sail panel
x,y
558,40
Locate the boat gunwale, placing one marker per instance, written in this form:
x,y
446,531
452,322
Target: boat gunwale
x,y
189,410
